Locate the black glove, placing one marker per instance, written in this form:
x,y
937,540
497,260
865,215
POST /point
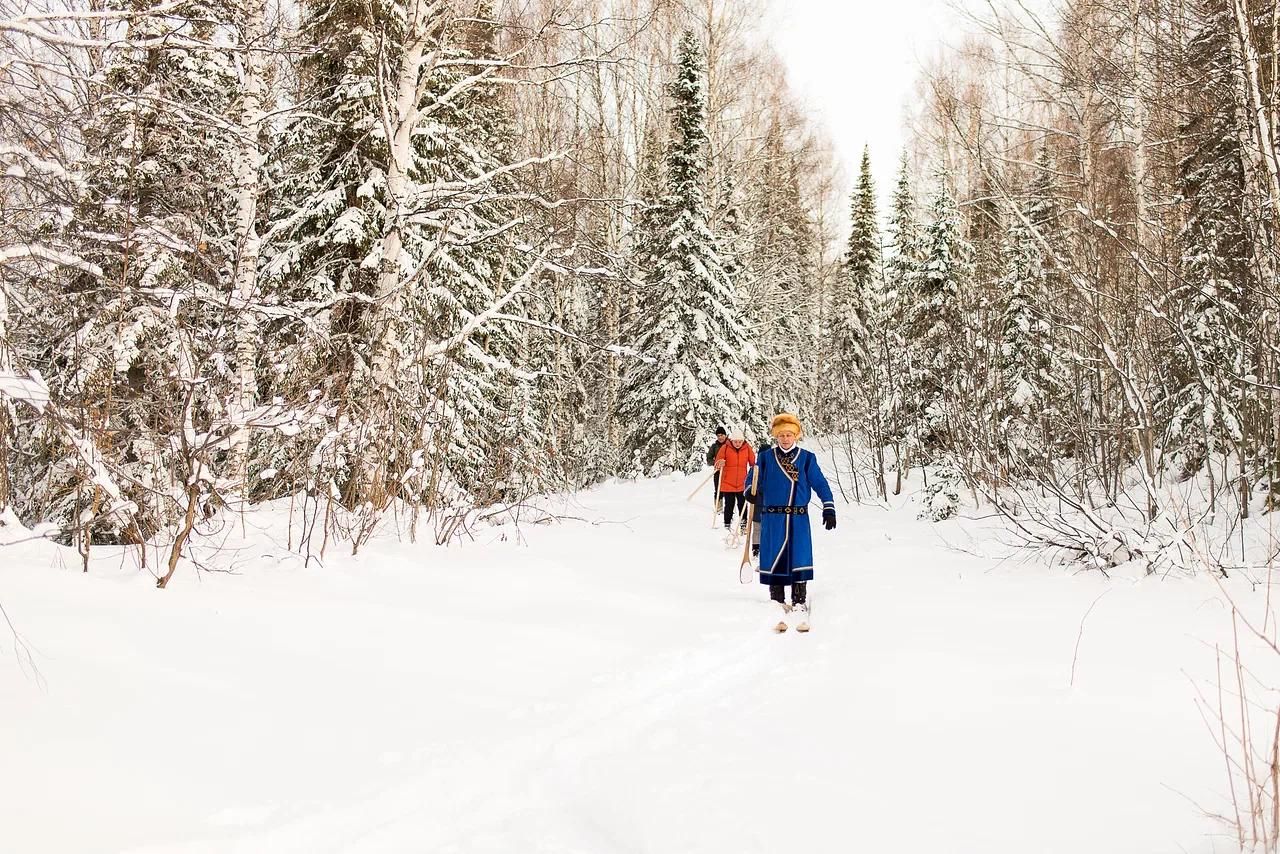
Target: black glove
x,y
755,550
829,518
749,497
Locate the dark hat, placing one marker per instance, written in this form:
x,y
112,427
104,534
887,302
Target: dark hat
x,y
720,431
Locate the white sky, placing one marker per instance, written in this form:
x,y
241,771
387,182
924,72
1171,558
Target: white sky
x,y
856,62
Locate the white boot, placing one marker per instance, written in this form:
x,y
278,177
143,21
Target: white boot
x,y
800,617
785,620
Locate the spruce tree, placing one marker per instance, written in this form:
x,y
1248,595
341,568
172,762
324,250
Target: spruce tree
x,y
934,322
735,249
855,296
691,324
1033,384
153,214
331,210
731,242
430,423
1025,379
477,260
893,309
783,294
646,244
903,242
650,218
1204,404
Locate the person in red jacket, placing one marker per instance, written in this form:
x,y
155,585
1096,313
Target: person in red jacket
x,y
733,460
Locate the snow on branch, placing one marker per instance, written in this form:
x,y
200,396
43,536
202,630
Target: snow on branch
x,y
30,390
47,254
33,161
612,349
486,177
34,392
276,417
489,315
32,26
18,25
160,10
446,99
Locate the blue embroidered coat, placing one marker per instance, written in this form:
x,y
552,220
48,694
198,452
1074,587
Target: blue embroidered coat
x,y
786,540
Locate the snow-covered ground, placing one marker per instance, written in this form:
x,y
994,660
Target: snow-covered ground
x,y
607,685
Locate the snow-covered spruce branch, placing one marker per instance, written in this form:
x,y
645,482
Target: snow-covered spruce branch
x,y
455,236
279,417
150,235
302,311
34,161
602,272
33,392
446,99
491,313
49,255
159,10
612,349
457,187
206,118
67,40
460,201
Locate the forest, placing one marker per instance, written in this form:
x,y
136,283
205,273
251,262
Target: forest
x,y
431,258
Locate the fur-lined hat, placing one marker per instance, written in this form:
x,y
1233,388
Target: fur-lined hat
x,y
736,435
785,419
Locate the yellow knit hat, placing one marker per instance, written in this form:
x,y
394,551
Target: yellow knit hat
x,y
786,419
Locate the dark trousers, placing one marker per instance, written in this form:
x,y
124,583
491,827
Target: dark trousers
x,y
732,500
778,592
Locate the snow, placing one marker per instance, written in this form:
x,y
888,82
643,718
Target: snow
x,y
48,254
31,389
1024,394
605,684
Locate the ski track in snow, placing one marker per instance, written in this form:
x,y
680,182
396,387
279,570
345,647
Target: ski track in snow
x,y
609,686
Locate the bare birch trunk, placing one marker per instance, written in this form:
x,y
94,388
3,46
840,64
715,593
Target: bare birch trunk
x,y
6,406
248,243
388,294
400,120
1260,148
1139,133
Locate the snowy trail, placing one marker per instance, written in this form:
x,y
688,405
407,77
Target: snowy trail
x,y
611,687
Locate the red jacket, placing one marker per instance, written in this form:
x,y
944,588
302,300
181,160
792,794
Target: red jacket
x,y
733,478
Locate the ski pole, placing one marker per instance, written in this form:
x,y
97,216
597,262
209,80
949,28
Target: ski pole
x,y
699,489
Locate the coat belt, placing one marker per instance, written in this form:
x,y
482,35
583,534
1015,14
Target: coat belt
x,y
790,511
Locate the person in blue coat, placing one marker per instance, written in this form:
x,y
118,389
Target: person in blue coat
x,y
780,485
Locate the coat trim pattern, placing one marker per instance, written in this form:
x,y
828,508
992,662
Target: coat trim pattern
x,y
791,475
785,481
